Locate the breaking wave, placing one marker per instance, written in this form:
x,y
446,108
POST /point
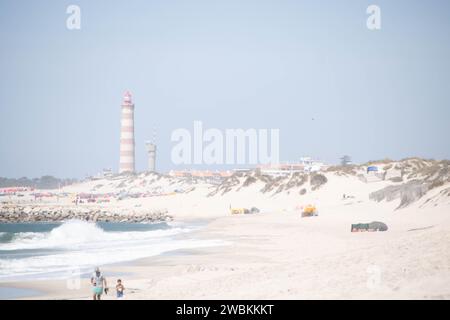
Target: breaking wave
x,y
76,246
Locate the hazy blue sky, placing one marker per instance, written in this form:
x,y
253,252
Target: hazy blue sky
x,y
231,64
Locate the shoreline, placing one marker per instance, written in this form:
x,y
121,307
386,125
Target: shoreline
x,y
282,256
45,289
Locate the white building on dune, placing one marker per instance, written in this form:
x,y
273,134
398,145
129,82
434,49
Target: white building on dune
x,y
304,165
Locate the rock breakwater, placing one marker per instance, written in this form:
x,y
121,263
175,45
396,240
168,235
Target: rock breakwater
x,y
20,213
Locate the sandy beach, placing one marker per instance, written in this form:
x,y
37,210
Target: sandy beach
x,y
281,256
277,254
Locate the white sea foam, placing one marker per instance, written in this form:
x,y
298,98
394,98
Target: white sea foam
x,y
78,245
79,234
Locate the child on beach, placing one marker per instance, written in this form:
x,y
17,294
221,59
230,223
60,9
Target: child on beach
x,y
119,289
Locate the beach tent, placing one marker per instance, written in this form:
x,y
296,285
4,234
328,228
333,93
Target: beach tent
x,y
378,226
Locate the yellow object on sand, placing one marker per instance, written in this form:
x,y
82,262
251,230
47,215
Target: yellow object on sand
x,y
237,210
309,211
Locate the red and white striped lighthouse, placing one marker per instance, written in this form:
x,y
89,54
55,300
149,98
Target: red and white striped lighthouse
x,y
127,135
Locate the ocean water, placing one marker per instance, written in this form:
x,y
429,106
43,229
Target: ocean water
x,y
32,251
7,293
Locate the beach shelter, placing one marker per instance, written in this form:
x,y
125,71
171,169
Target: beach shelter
x,y
371,227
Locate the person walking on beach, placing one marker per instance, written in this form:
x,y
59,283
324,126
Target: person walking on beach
x,y
98,282
119,289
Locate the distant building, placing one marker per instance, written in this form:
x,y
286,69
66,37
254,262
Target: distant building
x,y
305,164
207,176
346,160
106,173
311,165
